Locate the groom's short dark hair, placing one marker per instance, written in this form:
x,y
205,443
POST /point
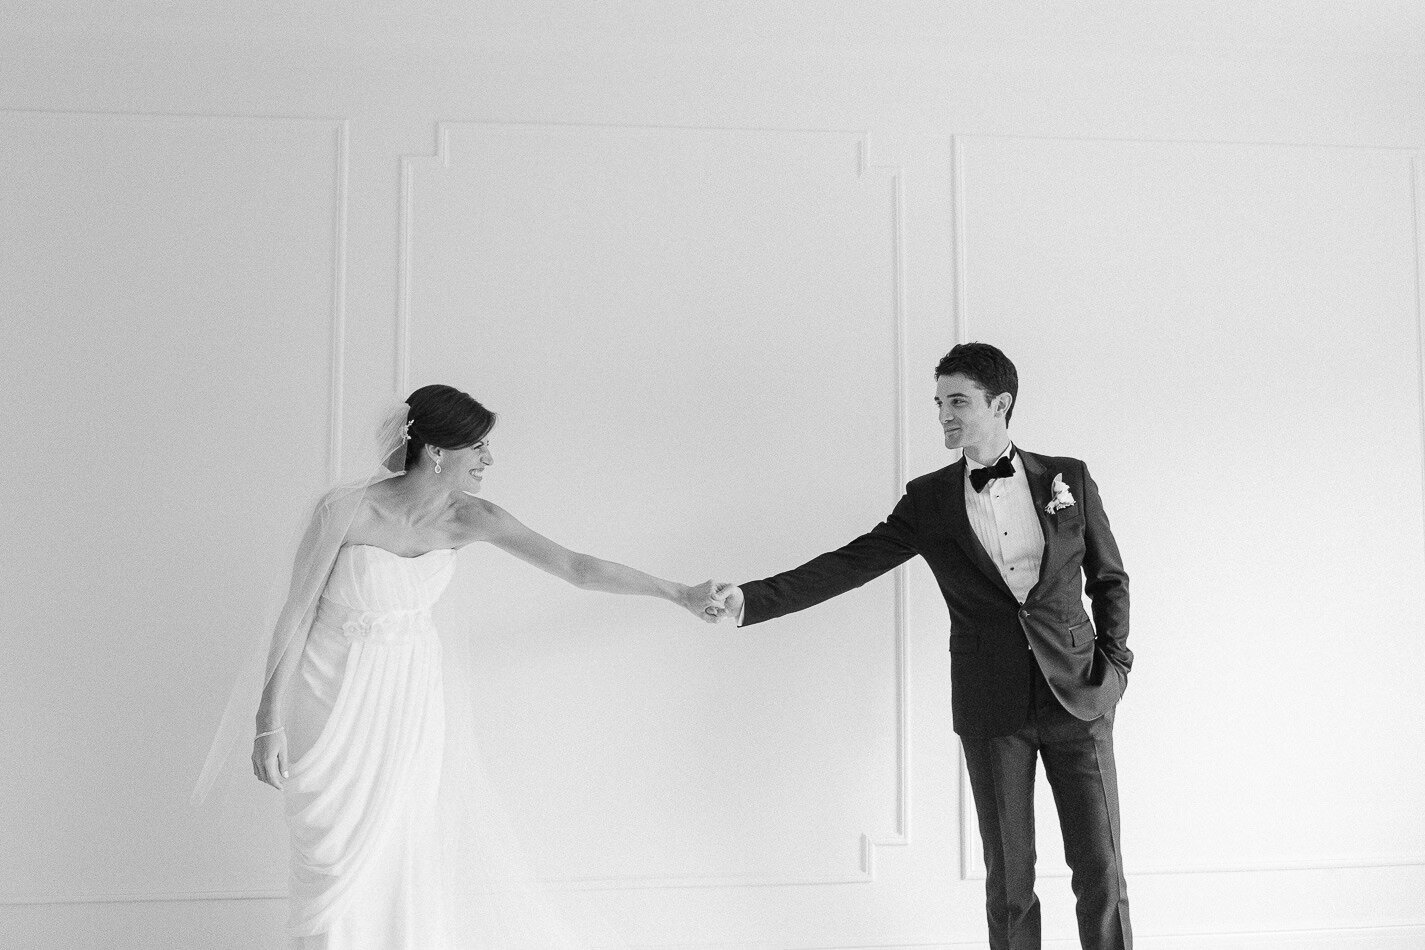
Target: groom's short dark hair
x,y
987,367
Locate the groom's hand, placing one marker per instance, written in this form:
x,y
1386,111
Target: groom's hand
x,y
702,602
728,597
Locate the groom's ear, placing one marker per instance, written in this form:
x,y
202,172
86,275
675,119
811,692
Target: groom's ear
x,y
1002,404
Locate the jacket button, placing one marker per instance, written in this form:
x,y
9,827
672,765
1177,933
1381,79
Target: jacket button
x,y
1024,614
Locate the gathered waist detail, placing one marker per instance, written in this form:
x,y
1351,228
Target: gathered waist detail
x,y
374,626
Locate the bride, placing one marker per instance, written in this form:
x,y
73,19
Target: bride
x,y
391,840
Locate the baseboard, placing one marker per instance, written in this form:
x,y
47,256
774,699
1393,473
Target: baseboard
x,y
191,925
1395,937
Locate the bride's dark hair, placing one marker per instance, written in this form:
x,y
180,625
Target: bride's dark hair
x,y
446,418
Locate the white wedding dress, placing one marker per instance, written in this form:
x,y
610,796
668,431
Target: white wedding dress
x,y
382,857
366,732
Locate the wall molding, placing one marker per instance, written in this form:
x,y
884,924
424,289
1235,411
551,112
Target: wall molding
x,y
1151,140
140,114
959,265
337,407
161,897
971,850
868,844
1417,194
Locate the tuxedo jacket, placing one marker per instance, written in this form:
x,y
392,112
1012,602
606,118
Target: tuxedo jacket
x,y
995,642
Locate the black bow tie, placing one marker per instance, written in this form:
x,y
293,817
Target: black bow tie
x,y
980,477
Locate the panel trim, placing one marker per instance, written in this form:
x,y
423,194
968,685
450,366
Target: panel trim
x,y
337,406
868,844
1417,189
138,114
958,263
170,897
1149,140
900,838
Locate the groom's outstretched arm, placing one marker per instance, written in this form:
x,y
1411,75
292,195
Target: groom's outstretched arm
x,y
1105,581
888,545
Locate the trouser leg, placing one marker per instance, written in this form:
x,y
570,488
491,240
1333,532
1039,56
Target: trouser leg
x,y
1079,763
1001,773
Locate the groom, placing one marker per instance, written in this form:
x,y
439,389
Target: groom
x,y
1014,539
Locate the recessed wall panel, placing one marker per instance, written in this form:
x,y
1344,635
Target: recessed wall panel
x,y
691,340
170,289
1229,336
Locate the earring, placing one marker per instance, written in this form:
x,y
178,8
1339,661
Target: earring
x,y
437,466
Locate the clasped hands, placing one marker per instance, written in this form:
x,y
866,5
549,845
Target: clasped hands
x,y
714,601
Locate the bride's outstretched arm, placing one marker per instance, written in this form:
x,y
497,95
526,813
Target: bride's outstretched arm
x,y
486,521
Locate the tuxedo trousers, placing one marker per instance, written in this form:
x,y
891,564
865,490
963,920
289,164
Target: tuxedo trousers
x,y
1078,760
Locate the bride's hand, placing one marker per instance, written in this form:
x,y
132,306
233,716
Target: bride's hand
x,y
269,758
730,597
701,602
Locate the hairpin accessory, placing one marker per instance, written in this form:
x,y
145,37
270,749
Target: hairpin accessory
x,y
406,432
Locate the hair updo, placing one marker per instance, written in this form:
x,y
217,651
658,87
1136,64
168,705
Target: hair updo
x,y
446,418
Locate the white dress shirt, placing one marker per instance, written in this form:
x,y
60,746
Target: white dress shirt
x,y
1004,519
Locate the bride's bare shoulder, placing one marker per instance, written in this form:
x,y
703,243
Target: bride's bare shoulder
x,y
477,519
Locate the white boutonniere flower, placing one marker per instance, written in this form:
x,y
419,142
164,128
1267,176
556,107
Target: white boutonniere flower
x,y
1063,498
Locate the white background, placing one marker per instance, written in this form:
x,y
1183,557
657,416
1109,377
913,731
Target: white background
x,y
702,261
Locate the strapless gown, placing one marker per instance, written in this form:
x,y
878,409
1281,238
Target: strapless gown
x,y
366,730
399,840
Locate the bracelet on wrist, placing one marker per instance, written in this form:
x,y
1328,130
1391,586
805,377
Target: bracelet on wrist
x,y
270,733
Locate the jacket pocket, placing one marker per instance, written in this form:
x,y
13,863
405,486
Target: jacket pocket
x,y
961,643
1081,633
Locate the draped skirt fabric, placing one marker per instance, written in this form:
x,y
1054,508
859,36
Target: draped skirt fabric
x,y
399,841
362,798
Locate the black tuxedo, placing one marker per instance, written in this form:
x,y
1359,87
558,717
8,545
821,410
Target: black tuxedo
x,y
1038,678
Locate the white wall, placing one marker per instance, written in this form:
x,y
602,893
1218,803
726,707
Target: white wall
x,y
702,260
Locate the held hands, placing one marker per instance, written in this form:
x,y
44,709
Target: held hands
x,y
703,602
728,598
269,758
713,601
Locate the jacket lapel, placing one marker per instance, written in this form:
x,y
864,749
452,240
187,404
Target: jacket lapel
x,y
960,529
1041,488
